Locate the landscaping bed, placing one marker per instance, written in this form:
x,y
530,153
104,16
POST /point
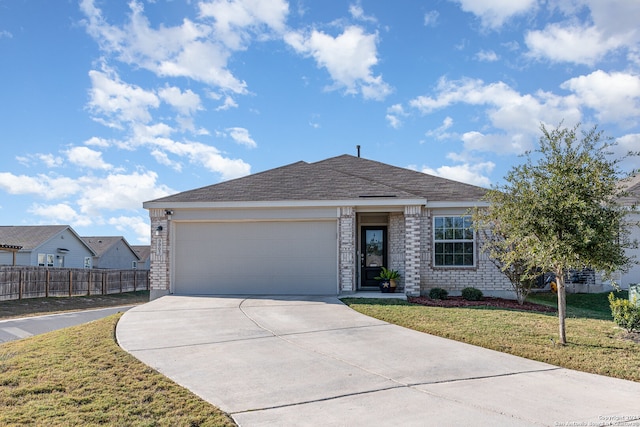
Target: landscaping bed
x,y
484,302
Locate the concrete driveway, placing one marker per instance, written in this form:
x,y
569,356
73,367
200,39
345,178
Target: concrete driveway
x,y
296,361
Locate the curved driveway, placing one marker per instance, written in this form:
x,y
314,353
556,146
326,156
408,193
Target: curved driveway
x,y
296,361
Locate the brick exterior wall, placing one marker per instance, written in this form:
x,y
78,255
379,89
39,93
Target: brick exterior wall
x,y
412,261
160,254
484,276
397,246
347,249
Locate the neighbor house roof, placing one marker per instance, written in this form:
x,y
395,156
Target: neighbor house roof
x,y
102,244
31,237
340,178
632,187
143,251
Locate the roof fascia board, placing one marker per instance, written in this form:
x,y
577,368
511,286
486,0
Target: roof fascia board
x,y
286,203
464,204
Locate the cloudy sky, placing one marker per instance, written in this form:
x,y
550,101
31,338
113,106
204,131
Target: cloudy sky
x,y
106,104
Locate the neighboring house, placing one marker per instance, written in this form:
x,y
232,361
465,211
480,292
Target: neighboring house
x,y
44,245
632,201
112,252
321,228
143,252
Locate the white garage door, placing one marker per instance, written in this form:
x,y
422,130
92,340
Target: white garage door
x,y
256,258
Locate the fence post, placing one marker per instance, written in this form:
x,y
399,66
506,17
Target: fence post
x,y
120,281
103,280
20,285
135,276
70,282
46,284
89,283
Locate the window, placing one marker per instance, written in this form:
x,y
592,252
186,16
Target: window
x,y
453,241
134,264
87,262
42,259
50,258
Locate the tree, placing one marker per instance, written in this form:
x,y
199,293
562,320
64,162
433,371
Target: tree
x,y
558,211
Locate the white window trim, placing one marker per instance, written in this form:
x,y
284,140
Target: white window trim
x,y
434,241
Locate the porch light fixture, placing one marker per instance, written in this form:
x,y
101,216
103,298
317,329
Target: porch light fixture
x,y
168,212
158,230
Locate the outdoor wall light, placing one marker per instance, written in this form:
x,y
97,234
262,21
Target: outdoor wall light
x,y
168,212
158,230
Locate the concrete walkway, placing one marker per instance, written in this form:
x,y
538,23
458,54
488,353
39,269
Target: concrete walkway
x,y
305,361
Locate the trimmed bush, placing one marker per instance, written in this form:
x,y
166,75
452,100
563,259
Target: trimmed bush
x,y
472,294
438,293
625,313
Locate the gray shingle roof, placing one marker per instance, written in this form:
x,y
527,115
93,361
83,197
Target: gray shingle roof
x,y
632,187
101,244
28,236
340,178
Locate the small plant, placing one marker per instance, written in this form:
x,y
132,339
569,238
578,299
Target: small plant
x,y
438,293
625,313
388,274
472,294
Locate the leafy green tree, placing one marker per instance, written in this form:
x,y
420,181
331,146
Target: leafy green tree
x,y
558,211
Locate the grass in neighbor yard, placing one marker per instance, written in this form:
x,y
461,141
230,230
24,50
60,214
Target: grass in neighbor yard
x,y
80,376
40,306
594,343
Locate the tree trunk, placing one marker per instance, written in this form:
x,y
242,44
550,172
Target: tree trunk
x,y
562,307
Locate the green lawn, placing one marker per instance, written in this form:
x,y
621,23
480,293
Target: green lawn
x,y
595,343
79,376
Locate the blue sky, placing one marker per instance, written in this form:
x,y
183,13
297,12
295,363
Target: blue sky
x,y
106,104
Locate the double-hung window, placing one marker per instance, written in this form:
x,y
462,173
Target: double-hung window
x,y
454,244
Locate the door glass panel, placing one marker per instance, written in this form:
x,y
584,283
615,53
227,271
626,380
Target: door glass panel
x,y
374,248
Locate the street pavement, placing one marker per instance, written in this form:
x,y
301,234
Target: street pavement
x,y
24,327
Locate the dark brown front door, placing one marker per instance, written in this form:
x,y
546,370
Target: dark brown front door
x,y
373,255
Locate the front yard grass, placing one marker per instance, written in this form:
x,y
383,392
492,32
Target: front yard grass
x,y
80,376
595,343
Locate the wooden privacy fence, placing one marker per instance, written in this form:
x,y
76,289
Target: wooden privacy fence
x,y
18,282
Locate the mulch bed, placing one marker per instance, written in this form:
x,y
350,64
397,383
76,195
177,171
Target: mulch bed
x,y
485,302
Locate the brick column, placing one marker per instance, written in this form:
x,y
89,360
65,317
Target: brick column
x,y
159,256
347,249
412,250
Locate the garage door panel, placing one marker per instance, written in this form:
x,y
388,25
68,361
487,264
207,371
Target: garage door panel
x,y
256,258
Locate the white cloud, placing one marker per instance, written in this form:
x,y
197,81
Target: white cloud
x,y
440,132
494,13
394,116
628,143
95,141
47,187
487,56
50,160
140,227
357,12
229,103
188,50
474,174
186,103
60,213
615,96
87,158
348,58
236,20
516,115
119,191
118,101
241,136
571,43
5,34
431,18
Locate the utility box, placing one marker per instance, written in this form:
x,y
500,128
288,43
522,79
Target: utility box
x,y
634,294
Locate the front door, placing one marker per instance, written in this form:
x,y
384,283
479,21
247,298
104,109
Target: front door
x,y
373,255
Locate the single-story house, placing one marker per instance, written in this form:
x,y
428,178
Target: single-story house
x,y
44,245
322,228
144,253
112,252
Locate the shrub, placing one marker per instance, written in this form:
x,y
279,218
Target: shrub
x,y
438,293
625,313
472,294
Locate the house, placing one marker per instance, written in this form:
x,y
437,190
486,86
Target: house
x,y
112,252
322,228
44,245
632,202
143,252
